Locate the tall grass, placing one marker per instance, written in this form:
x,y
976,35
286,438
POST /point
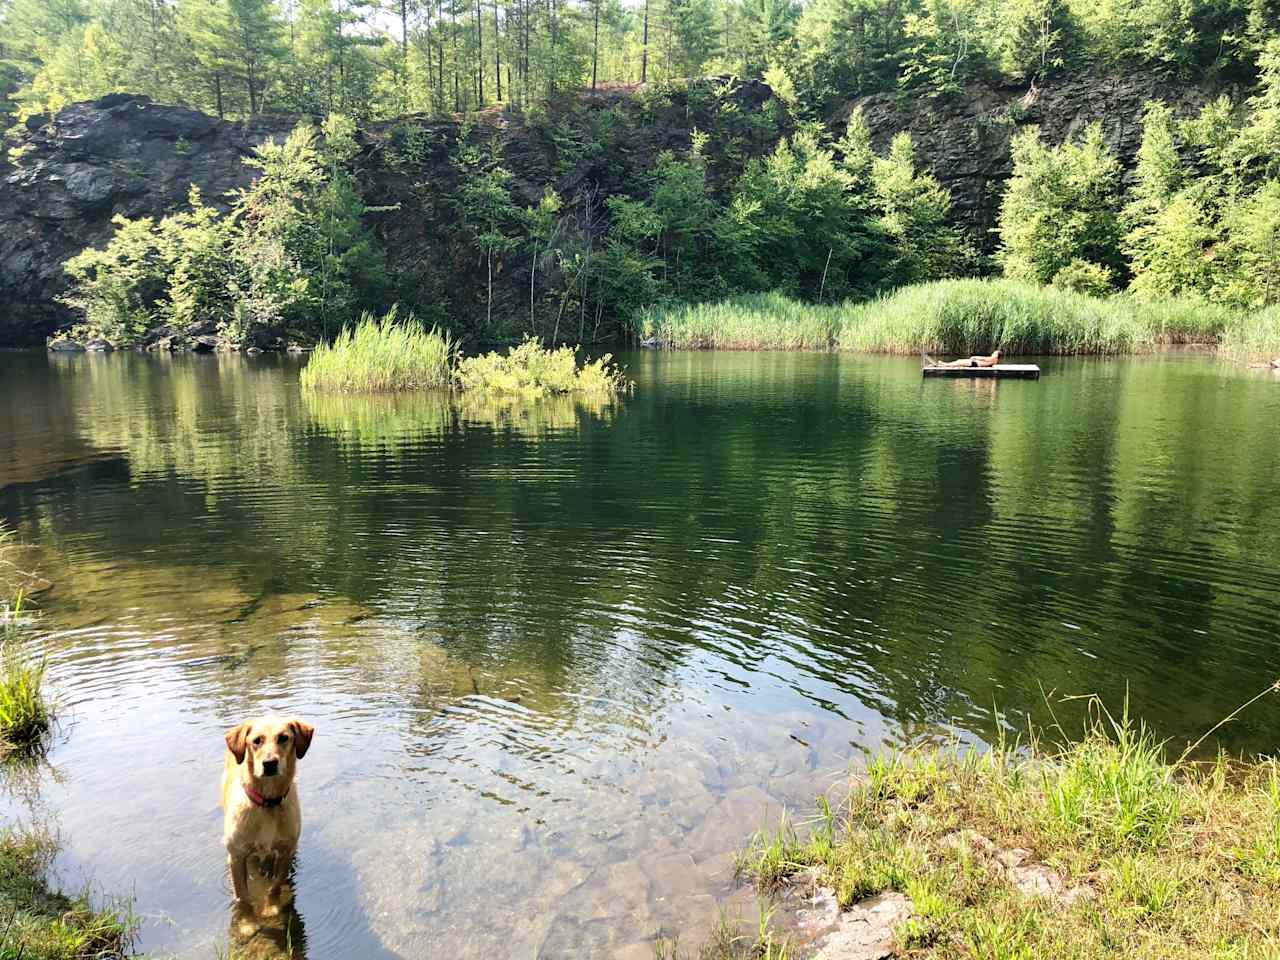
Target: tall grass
x,y
25,712
959,317
763,321
379,355
1254,337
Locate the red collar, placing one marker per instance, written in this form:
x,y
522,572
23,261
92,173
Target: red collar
x,y
258,800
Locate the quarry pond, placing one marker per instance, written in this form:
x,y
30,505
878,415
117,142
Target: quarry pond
x,y
563,659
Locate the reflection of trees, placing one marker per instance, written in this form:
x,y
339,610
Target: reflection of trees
x,y
930,549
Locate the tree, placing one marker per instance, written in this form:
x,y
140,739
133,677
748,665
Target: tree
x,y
484,203
1060,206
915,218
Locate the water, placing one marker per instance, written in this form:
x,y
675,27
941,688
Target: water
x,y
562,661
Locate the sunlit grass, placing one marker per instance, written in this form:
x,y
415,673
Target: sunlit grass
x,y
530,371
379,355
1155,857
767,321
39,923
1254,337
956,317
25,711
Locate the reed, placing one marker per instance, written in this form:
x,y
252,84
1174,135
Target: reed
x,y
764,321
1254,337
963,316
379,355
953,317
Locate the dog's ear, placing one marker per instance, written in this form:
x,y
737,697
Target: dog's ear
x,y
302,734
237,741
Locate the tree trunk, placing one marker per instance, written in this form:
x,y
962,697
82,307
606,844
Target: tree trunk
x,y
497,50
217,92
644,48
595,43
479,57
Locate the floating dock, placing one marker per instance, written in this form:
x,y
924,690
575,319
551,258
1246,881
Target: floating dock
x,y
1014,371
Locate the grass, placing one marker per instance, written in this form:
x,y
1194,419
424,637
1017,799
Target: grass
x,y
390,355
960,317
380,355
530,371
728,941
25,713
763,321
1255,338
38,923
1165,859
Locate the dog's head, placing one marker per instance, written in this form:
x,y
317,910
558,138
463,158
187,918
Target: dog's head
x,y
268,748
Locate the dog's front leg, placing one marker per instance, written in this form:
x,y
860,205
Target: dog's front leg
x,y
239,866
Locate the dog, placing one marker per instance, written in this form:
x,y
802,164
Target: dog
x,y
262,817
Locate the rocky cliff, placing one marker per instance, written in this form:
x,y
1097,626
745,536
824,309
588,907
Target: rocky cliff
x,y
66,176
965,140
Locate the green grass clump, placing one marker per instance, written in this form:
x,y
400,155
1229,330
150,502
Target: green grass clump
x,y
961,316
765,321
1254,337
25,713
1155,858
530,371
379,355
37,923
953,317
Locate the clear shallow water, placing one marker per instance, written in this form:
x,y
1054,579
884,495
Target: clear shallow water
x,y
562,661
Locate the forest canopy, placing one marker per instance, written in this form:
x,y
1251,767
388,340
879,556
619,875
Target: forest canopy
x,y
384,58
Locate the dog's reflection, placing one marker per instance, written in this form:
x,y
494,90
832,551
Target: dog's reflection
x,y
266,925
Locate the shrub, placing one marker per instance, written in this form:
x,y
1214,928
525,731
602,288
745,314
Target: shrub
x,y
1081,276
380,355
531,370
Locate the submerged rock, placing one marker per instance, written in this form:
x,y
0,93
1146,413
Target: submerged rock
x,y
64,346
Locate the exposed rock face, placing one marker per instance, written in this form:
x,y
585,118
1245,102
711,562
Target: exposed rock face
x,y
124,154
121,154
965,140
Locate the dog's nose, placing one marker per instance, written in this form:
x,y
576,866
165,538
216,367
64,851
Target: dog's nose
x,y
270,768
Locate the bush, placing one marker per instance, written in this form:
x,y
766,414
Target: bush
x,y
1081,276
381,355
531,371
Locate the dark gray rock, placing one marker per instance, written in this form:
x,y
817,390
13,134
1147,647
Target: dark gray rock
x,y
119,154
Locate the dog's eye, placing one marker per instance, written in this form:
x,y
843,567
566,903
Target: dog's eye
x,y
257,741
282,739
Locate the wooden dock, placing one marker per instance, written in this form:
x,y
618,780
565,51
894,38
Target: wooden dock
x,y
1015,371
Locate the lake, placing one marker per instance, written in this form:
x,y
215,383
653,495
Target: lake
x,y
563,660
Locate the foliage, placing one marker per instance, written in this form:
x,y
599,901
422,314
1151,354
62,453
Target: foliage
x,y
529,371
378,355
292,257
1060,206
1141,855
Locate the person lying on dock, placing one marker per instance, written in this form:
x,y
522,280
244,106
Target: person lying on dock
x,y
976,361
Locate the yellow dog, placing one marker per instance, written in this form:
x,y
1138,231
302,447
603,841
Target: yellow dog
x,y
262,815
